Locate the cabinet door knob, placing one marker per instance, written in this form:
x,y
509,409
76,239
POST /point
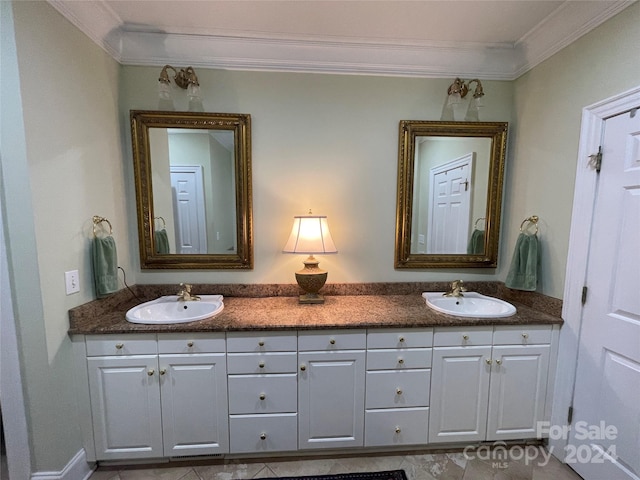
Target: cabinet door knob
x,y
261,343
263,436
398,429
261,364
488,360
498,362
119,346
151,372
465,337
303,367
189,344
263,396
163,371
332,341
525,335
398,391
401,360
401,339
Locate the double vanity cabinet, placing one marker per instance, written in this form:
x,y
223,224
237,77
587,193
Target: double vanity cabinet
x,y
160,395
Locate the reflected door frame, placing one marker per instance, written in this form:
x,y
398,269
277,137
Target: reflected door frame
x,y
457,201
189,208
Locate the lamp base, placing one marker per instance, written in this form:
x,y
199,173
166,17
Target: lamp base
x,y
311,279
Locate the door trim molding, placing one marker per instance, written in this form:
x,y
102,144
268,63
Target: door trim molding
x,y
593,118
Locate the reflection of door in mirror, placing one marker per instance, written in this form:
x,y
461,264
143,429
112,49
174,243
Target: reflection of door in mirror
x,y
450,192
206,226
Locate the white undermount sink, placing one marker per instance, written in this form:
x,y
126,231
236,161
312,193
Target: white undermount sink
x,y
470,305
168,309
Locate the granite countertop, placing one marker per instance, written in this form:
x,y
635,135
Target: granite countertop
x,y
285,313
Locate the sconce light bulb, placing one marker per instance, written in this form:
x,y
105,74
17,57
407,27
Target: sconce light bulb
x,y
165,102
195,101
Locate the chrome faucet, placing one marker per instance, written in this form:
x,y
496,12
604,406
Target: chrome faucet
x,y
185,293
456,289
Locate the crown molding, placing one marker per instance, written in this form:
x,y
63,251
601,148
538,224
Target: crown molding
x,y
278,52
564,26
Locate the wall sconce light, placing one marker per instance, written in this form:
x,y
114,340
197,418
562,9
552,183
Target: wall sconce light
x,y
184,78
459,90
310,234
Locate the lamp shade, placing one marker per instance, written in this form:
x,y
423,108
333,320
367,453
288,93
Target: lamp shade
x,y
310,234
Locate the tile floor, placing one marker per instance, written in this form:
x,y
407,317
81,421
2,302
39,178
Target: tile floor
x,y
438,466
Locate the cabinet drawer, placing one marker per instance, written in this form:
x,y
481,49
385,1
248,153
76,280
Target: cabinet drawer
x,y
191,343
396,426
115,344
263,393
399,359
262,342
522,334
399,338
462,336
263,433
262,362
392,388
332,340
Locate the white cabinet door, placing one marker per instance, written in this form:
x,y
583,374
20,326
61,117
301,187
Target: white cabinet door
x,y
195,418
125,403
517,392
459,394
331,399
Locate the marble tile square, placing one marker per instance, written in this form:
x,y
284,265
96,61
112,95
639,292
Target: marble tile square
x,y
161,473
367,464
297,468
434,466
233,470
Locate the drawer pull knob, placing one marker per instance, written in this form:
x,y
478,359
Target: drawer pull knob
x,y
465,337
263,436
401,339
119,346
261,364
498,362
189,344
303,367
151,372
263,396
525,335
398,429
401,361
488,360
163,371
332,341
261,343
398,391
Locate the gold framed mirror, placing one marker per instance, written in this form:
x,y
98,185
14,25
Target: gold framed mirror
x,y
193,189
449,198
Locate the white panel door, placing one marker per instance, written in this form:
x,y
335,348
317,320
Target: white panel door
x,y
459,394
187,185
331,399
607,390
195,418
518,389
125,403
449,206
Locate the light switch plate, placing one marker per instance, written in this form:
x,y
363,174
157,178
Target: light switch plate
x,y
72,281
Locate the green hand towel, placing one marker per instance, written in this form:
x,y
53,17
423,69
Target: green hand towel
x,y
105,266
476,243
523,273
161,240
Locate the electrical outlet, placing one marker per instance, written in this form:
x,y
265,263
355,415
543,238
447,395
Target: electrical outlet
x,y
72,282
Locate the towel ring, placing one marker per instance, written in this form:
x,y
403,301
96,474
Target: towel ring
x,y
98,220
475,224
532,219
164,224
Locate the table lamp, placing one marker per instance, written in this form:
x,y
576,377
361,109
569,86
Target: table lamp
x,y
310,234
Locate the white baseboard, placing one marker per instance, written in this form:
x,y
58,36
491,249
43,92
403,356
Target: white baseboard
x,y
76,469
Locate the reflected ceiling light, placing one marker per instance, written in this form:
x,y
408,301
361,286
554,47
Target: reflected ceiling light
x,y
310,234
459,90
184,78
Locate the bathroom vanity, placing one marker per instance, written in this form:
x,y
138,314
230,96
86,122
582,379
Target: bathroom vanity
x,y
269,375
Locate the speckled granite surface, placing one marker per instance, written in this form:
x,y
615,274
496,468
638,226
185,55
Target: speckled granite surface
x,y
275,307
